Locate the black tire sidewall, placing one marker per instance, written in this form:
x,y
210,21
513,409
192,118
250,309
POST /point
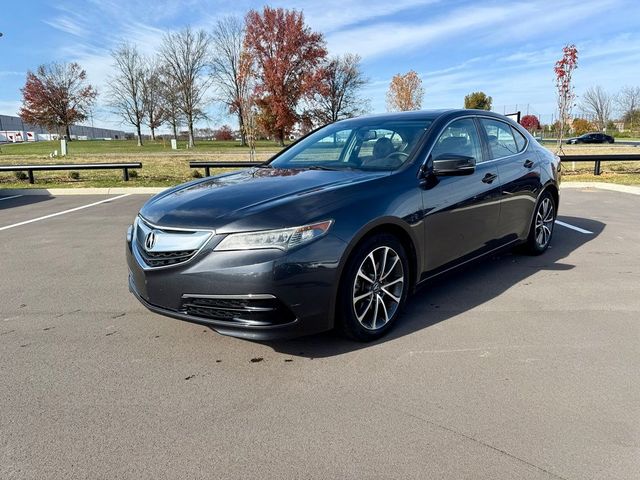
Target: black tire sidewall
x,y
346,316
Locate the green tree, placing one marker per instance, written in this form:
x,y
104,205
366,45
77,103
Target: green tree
x,y
478,100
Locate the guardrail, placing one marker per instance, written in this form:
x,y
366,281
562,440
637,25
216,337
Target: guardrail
x,y
209,165
597,159
125,167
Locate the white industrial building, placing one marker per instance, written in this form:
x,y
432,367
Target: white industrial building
x,y
13,129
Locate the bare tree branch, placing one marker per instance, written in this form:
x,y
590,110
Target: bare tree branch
x,y
227,48
185,55
599,104
126,86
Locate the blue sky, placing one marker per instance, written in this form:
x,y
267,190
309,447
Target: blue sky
x,y
505,48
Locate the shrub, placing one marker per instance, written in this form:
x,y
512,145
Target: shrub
x,y
133,174
224,133
196,174
21,175
530,122
74,175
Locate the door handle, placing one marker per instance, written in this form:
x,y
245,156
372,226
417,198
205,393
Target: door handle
x,y
489,177
528,163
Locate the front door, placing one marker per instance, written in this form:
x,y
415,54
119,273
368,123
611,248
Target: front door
x,y
461,212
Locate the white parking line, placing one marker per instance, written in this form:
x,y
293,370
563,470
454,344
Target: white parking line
x,y
63,212
573,227
7,198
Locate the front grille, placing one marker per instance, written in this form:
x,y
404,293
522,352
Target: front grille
x,y
169,246
243,311
161,259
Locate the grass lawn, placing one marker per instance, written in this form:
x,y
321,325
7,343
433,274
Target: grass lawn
x,y
165,167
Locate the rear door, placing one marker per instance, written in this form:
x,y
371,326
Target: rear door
x,y
519,170
461,212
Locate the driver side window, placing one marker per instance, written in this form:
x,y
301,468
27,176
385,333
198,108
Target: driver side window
x,y
459,138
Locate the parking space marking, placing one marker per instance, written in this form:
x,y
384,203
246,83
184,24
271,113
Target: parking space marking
x,y
573,227
7,198
63,212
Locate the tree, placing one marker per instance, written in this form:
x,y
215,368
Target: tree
x,y
223,133
227,47
247,103
478,101
57,95
339,82
126,86
152,100
563,70
628,102
185,56
580,126
530,122
287,54
597,103
405,92
170,98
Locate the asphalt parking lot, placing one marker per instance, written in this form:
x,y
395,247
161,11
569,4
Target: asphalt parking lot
x,y
516,367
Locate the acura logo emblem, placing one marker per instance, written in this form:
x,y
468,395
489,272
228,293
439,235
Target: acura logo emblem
x,y
150,241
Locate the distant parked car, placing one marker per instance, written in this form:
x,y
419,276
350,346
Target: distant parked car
x,y
593,137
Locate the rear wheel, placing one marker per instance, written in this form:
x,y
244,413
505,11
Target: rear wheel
x,y
374,288
542,225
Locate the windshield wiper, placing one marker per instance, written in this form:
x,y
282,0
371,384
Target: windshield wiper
x,y
324,167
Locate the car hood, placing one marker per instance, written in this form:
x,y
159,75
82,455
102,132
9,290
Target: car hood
x,y
217,202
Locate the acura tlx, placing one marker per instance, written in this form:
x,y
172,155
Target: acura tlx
x,y
338,229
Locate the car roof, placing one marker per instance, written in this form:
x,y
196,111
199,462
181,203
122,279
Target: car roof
x,y
424,115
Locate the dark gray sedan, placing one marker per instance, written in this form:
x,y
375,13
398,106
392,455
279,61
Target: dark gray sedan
x,y
339,228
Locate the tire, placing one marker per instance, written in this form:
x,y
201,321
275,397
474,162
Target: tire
x,y
373,289
541,228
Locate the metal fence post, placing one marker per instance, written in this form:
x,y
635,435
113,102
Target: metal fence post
x,y
31,179
125,174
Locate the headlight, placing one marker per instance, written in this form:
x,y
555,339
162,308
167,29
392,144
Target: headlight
x,y
283,239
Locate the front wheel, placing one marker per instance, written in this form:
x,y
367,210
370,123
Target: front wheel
x,y
374,288
542,225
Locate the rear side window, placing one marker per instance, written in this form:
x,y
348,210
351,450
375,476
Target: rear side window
x,y
520,140
501,140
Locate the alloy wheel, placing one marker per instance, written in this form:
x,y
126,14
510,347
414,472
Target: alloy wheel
x,y
544,222
378,287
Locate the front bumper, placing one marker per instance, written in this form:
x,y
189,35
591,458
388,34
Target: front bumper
x,y
256,294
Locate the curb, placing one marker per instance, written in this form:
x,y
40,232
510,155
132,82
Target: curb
x,y
602,186
54,192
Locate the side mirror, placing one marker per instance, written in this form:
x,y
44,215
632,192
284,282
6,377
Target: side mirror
x,y
449,164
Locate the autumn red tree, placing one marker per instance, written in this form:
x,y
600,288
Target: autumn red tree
x,y
563,70
405,92
287,54
530,122
57,95
223,133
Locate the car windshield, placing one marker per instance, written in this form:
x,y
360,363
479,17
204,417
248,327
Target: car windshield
x,y
380,145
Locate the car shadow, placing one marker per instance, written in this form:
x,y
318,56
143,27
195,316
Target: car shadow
x,y
458,291
6,202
